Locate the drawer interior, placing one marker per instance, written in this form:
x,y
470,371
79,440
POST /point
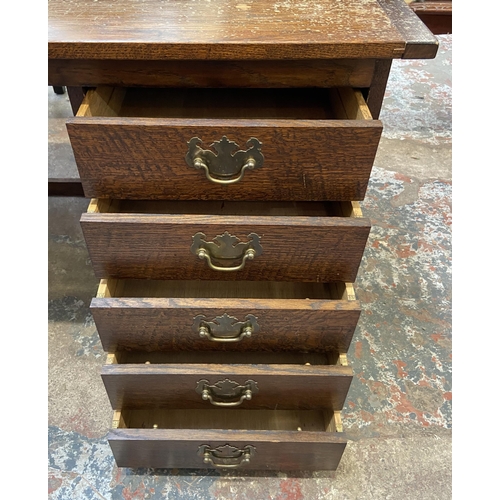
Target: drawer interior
x,y
228,208
309,359
341,103
274,420
137,288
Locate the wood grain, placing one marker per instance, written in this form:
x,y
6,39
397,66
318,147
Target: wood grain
x,y
160,317
279,386
179,434
212,74
376,92
161,324
420,42
295,248
147,30
308,155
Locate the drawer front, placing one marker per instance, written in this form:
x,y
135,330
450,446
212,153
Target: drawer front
x,y
210,386
159,324
319,249
226,449
208,158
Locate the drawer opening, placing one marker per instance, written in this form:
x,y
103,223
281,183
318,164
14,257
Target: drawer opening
x,y
341,103
228,208
274,420
305,359
137,288
172,315
225,144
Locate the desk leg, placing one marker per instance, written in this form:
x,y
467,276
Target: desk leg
x,y
376,92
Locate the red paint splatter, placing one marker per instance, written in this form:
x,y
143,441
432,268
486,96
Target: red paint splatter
x,y
401,372
376,244
138,493
351,404
447,396
118,476
401,177
405,251
290,490
436,337
367,417
358,349
423,245
54,483
403,405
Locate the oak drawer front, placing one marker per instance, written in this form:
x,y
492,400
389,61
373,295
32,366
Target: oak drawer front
x,y
253,439
233,380
155,315
306,144
196,241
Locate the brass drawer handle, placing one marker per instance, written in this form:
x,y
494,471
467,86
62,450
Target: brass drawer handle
x,y
227,456
225,328
226,392
226,247
227,166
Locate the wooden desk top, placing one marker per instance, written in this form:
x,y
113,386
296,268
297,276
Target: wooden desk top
x,y
236,30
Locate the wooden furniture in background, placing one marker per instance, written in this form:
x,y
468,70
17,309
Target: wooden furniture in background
x,y
437,15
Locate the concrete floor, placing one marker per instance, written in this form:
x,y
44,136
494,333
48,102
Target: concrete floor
x,y
398,410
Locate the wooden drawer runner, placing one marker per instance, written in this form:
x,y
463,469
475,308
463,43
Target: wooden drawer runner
x,y
243,439
317,144
275,241
155,315
209,380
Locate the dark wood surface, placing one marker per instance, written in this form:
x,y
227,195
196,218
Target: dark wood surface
x,y
76,95
375,94
320,249
275,450
147,30
65,187
210,74
173,385
165,324
437,15
420,42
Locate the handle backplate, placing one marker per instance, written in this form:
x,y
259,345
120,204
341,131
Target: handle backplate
x,y
226,392
225,328
226,456
226,249
228,165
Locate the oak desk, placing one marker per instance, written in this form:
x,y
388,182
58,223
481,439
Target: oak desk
x,y
226,300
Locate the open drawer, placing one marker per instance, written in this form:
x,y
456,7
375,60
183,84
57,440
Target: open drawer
x,y
156,315
273,241
210,380
243,439
232,144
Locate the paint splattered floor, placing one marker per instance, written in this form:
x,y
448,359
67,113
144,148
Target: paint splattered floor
x,y
398,410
